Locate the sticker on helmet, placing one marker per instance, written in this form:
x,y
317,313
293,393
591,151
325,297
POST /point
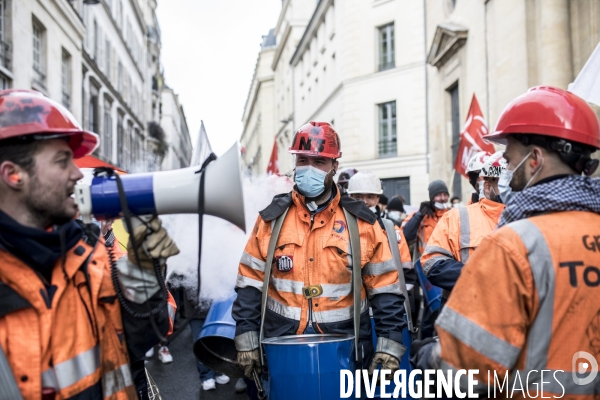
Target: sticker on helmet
x,y
285,263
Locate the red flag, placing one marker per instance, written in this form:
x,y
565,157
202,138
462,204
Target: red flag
x,y
471,140
273,167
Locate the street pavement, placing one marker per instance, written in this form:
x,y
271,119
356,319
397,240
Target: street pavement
x,y
179,380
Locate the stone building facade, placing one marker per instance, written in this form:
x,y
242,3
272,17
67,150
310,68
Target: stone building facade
x,y
396,77
100,59
259,113
497,50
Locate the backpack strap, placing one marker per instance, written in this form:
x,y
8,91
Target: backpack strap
x,y
9,390
391,235
268,266
356,275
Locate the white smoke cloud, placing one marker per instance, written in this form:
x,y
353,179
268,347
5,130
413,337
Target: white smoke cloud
x,y
222,242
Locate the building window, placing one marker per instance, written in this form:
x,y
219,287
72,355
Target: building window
x,y
95,42
93,110
107,51
65,72
386,47
120,14
120,141
107,132
39,77
455,118
387,129
120,77
397,187
4,47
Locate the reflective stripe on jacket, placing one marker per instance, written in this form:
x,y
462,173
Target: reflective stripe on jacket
x,y
405,257
317,252
72,339
458,233
528,301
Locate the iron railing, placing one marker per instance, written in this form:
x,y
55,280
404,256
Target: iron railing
x,y
39,78
4,54
388,148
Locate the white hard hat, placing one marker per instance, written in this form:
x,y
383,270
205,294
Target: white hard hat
x,y
493,165
476,162
364,182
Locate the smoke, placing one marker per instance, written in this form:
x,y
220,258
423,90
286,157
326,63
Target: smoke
x,y
222,242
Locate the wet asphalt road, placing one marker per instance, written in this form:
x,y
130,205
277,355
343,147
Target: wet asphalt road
x,y
179,380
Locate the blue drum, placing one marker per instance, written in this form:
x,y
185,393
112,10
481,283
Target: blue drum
x,y
214,347
308,366
432,294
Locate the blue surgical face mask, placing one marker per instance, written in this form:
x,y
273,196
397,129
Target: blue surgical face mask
x,y
310,180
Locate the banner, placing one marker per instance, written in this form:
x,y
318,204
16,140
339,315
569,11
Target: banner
x,y
273,167
202,149
471,140
587,83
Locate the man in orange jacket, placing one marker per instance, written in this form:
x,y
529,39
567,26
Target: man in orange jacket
x,y
310,289
527,306
366,187
419,226
63,334
461,230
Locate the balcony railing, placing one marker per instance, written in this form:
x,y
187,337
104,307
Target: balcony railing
x,y
388,148
39,78
387,65
4,54
66,100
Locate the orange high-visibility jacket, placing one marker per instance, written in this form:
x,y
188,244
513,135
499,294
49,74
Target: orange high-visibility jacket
x,y
426,228
317,252
460,231
405,257
529,300
73,343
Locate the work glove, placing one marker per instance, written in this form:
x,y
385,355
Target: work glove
x,y
419,344
249,360
387,362
153,244
426,209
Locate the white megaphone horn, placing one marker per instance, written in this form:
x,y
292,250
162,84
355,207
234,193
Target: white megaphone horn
x,y
169,192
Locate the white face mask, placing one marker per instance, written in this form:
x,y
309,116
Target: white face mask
x,y
481,190
456,205
440,206
374,209
506,177
394,215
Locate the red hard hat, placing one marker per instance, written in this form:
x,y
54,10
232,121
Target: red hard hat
x,y
316,139
549,111
27,112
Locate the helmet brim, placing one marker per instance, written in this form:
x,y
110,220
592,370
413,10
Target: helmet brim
x,y
498,138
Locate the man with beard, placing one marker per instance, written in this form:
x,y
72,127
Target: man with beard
x,y
311,286
528,300
66,330
461,230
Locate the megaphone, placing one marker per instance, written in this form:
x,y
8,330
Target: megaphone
x,y
169,192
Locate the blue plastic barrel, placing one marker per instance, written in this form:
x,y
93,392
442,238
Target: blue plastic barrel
x,y
214,346
308,366
432,294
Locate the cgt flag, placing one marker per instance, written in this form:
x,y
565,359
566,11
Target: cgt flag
x,y
273,167
471,140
